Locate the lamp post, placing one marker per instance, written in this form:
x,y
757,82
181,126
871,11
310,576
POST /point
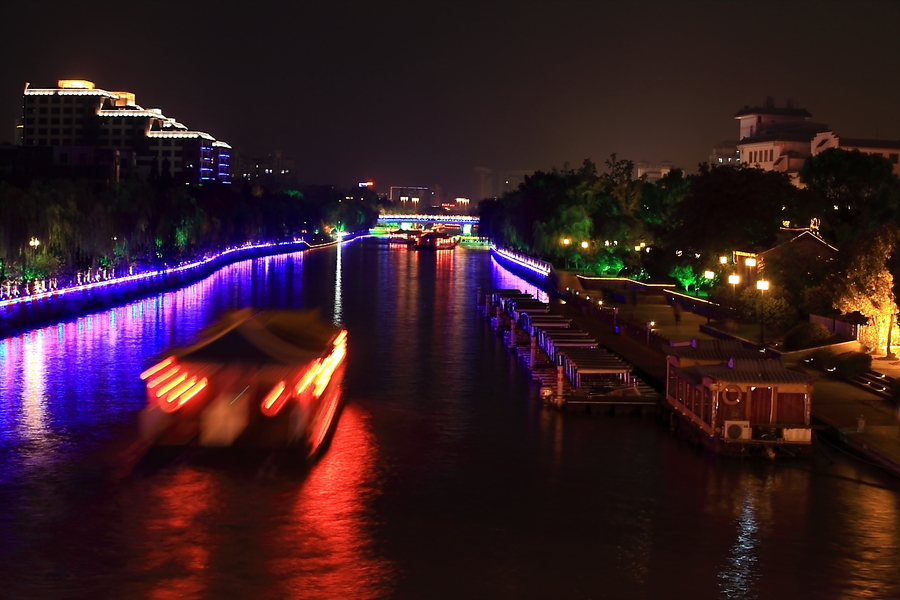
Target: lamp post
x,y
734,280
650,325
750,263
709,275
762,285
34,243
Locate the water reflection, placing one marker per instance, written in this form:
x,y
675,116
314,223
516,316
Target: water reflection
x,y
34,392
325,548
177,538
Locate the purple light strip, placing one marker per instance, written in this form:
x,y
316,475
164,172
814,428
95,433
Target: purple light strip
x,y
538,266
129,278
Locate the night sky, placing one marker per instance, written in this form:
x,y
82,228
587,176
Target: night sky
x,y
420,93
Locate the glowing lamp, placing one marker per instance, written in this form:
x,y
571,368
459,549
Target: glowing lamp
x,y
734,279
750,262
762,285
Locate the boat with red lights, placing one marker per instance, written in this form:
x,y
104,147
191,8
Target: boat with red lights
x,y
256,379
436,240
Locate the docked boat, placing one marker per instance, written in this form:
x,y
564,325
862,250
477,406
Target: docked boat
x,y
256,379
736,402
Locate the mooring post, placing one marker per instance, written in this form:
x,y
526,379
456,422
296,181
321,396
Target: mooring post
x,y
559,382
533,350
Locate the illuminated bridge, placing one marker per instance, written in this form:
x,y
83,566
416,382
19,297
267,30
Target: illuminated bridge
x,y
447,219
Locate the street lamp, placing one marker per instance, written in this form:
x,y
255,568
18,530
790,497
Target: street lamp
x,y
650,325
34,243
762,285
734,280
723,260
709,275
584,245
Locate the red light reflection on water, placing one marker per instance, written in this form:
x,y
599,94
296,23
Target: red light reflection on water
x,y
324,547
178,538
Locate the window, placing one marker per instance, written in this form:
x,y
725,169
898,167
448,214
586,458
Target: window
x,y
67,121
42,121
67,110
43,110
67,131
29,121
54,131
54,110
42,131
54,142
54,121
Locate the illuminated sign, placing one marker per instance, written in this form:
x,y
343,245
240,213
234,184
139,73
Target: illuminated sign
x,y
366,184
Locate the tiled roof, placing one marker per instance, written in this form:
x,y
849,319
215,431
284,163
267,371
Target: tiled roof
x,y
720,350
761,371
771,110
861,143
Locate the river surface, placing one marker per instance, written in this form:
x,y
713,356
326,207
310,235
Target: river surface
x,y
445,477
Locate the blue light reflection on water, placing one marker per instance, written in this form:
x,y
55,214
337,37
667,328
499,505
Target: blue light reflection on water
x,y
445,478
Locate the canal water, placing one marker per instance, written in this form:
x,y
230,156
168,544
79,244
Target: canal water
x,y
445,478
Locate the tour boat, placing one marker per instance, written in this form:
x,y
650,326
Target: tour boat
x,y
436,240
256,379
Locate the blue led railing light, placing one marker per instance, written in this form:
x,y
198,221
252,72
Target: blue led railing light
x,y
538,266
59,293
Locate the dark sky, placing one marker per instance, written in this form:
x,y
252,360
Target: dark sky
x,y
420,93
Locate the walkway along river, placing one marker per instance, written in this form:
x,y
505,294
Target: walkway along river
x,y
446,477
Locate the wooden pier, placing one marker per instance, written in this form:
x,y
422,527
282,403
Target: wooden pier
x,y
572,369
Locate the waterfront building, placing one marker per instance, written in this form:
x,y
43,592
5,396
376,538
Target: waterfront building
x,y
81,125
736,401
783,138
653,171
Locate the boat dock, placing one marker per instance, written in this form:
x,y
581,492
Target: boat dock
x,y
573,370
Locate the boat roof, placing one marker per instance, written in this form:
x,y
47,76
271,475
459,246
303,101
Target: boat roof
x,y
267,337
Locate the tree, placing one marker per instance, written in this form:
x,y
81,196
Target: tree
x,y
866,285
851,192
729,208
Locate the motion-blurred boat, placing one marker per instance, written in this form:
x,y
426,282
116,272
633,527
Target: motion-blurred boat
x,y
256,379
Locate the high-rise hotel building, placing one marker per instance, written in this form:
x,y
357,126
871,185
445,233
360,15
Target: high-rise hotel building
x,y
81,125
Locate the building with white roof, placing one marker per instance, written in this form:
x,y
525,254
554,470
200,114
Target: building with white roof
x,y
82,123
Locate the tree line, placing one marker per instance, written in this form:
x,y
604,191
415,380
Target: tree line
x,y
613,224
56,228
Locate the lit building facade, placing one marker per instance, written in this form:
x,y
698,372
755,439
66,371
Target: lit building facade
x,y
782,139
82,123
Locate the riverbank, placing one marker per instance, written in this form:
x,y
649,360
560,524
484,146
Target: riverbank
x,y
30,311
836,406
